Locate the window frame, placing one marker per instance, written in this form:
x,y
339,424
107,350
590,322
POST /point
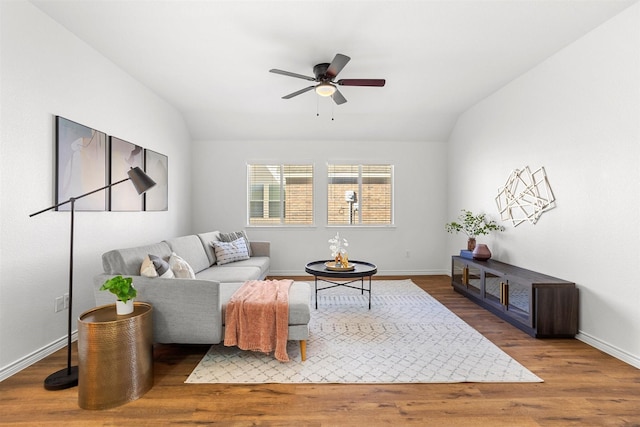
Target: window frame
x,y
360,184
282,205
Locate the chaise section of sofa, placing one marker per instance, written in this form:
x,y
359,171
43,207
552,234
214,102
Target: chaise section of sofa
x,y
191,311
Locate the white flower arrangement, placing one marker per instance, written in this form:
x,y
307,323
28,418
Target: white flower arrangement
x,y
338,246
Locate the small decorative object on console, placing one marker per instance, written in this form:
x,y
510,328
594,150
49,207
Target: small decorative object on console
x,y
481,252
473,226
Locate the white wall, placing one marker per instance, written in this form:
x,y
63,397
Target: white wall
x,y
578,115
220,181
47,71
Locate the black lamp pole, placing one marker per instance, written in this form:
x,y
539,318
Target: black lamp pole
x,y
68,377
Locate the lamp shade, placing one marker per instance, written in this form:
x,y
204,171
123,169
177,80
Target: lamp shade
x,y
325,89
140,180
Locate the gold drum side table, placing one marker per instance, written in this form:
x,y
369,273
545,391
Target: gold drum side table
x,y
115,356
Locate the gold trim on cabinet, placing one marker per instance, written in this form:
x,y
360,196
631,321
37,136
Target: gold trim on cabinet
x,y
504,293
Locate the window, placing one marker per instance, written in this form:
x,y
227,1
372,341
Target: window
x,y
280,194
360,194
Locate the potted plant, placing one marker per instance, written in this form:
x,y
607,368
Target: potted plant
x,y
123,289
473,226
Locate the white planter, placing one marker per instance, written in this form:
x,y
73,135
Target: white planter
x,y
124,307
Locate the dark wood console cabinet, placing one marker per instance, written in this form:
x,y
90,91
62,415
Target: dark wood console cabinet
x,y
540,305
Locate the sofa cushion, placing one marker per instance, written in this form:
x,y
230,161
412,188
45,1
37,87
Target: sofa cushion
x,y
224,275
181,268
128,261
227,252
191,250
206,239
230,237
255,261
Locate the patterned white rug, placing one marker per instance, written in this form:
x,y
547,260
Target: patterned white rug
x,y
406,337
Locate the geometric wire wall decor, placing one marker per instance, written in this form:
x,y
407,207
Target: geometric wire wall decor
x,y
525,196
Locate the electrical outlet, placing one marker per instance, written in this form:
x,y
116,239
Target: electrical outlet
x,y
59,304
66,301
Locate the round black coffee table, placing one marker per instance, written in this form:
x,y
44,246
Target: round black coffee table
x,y
361,269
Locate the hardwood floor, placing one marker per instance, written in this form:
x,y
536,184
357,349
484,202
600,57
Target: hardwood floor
x,y
583,387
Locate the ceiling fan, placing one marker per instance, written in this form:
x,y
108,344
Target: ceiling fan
x,y
325,75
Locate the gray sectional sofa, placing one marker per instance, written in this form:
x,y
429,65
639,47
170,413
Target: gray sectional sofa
x,y
191,311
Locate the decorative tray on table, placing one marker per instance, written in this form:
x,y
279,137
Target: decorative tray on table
x,y
331,265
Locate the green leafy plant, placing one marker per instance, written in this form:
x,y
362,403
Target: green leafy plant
x,y
121,287
472,225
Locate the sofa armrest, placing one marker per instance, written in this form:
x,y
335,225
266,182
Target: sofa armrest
x,y
185,311
260,248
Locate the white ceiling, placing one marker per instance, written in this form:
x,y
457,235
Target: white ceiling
x,y
210,59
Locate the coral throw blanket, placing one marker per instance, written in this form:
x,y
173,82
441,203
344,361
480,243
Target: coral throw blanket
x,y
257,317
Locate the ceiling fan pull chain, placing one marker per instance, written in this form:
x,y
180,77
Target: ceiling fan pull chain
x,y
332,110
317,107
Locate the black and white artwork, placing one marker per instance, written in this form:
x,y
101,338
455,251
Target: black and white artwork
x,y
157,167
124,156
81,165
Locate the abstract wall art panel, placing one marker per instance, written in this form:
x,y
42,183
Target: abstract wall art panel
x,y
81,165
124,156
157,167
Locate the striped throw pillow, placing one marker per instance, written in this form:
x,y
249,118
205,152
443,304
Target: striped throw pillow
x,y
227,252
230,237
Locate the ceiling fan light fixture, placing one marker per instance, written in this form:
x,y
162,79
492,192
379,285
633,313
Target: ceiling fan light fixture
x,y
325,89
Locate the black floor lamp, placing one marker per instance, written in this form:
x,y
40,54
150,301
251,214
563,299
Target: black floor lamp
x,y
68,377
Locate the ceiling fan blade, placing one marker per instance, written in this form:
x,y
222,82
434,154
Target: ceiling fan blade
x,y
291,95
338,98
337,65
361,82
290,74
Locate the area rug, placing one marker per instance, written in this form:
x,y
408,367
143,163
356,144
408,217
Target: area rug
x,y
406,337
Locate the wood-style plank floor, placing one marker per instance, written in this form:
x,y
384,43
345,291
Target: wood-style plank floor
x,y
583,387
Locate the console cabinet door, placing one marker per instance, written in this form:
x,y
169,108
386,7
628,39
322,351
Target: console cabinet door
x,y
510,296
467,276
519,301
493,288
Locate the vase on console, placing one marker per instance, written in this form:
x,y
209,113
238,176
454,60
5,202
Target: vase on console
x,y
471,243
481,252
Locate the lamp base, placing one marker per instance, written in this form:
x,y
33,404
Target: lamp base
x,y
64,378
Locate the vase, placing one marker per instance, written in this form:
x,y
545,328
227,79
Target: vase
x,y
123,308
471,243
345,260
481,252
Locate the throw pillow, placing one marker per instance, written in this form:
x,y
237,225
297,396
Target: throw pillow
x,y
181,268
227,252
147,269
230,237
162,267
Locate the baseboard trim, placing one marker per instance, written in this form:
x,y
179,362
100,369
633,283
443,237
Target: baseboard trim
x,y
34,357
609,349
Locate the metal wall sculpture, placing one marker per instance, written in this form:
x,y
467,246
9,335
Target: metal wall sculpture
x,y
525,196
